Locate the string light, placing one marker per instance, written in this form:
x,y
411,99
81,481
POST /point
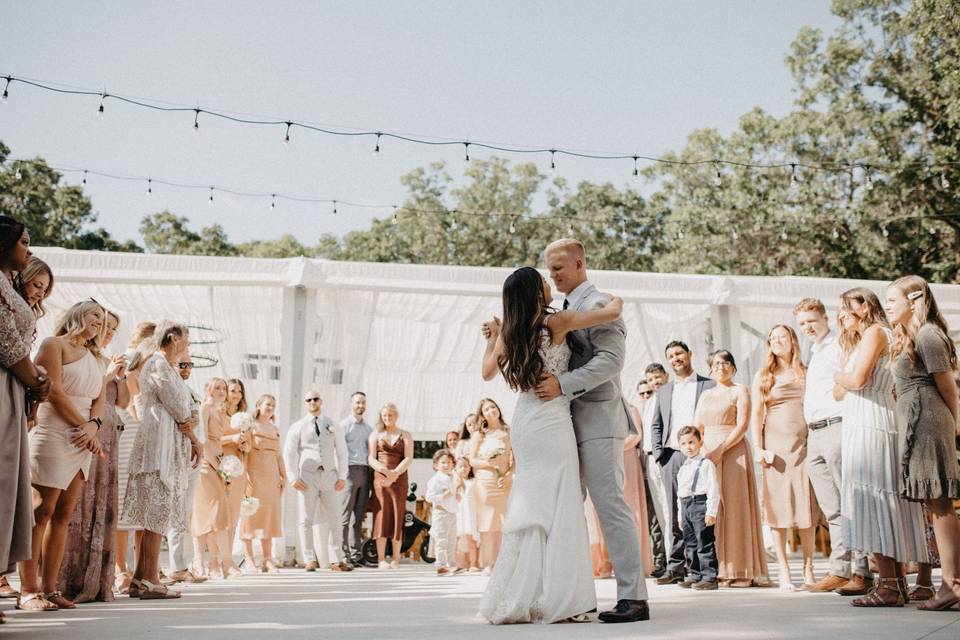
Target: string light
x,y
513,227
196,120
334,207
793,176
836,232
718,180
376,149
286,137
944,182
636,168
395,220
680,232
553,162
210,200
149,186
734,235
100,108
84,181
6,88
273,201
869,178
453,219
883,230
783,235
466,152
18,175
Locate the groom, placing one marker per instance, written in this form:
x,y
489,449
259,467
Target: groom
x,y
601,423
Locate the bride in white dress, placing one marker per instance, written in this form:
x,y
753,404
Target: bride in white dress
x,y
543,573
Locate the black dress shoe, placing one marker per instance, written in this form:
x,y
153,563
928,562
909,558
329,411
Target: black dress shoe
x,y
670,578
627,611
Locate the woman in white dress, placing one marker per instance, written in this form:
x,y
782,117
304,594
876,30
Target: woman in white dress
x,y
875,519
543,573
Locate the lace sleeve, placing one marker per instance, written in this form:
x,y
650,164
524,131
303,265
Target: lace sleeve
x,y
170,391
14,345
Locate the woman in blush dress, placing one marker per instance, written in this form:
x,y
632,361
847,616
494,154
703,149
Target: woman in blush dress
x,y
876,520
391,453
19,378
235,443
492,460
266,478
722,416
62,446
88,567
780,432
924,366
467,431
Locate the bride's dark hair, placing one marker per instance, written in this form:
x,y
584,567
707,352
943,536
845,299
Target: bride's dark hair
x,y
524,311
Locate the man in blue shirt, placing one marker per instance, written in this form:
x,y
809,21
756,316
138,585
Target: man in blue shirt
x,y
360,477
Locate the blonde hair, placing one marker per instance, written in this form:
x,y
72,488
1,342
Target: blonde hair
x,y
925,311
207,388
574,248
390,407
874,315
71,325
810,304
261,400
35,267
143,331
766,373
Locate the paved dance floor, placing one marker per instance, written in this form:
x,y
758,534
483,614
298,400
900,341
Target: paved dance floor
x,y
413,603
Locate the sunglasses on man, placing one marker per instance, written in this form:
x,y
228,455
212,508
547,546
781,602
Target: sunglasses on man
x,y
645,394
185,365
315,399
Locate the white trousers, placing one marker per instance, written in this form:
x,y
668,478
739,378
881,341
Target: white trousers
x,y
320,522
659,499
179,543
443,533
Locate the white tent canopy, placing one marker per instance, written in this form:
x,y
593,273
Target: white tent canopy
x,y
407,334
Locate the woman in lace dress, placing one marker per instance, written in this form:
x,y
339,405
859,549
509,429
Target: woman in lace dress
x,y
88,566
160,460
18,376
543,573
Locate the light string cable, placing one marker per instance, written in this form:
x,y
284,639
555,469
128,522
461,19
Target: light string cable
x,y
437,141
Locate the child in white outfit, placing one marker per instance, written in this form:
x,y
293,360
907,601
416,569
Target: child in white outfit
x,y
442,494
467,535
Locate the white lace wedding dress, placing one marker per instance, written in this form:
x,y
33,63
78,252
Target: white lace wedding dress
x,y
543,572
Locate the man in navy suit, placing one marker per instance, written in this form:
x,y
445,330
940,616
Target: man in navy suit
x,y
676,404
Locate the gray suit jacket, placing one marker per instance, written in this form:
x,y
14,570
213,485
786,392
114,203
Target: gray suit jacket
x,y
593,381
662,418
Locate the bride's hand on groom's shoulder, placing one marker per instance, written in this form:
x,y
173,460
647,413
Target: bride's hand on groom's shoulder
x,y
491,329
615,304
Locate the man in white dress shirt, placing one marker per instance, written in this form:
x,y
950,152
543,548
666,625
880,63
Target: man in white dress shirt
x,y
315,454
658,515
823,416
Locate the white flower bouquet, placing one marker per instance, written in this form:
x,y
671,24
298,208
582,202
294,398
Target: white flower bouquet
x,y
490,449
230,467
249,505
242,421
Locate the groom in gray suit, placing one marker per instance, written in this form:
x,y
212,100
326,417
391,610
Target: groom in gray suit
x,y
601,423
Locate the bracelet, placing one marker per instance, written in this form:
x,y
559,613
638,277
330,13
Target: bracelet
x,y
119,379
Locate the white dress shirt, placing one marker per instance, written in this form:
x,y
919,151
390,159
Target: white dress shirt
x,y
683,405
818,402
439,483
706,484
305,451
573,298
646,417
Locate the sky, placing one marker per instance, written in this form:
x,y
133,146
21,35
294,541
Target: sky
x,y
627,77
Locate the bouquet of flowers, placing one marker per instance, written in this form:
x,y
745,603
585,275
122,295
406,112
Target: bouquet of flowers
x,y
249,505
230,467
491,449
242,421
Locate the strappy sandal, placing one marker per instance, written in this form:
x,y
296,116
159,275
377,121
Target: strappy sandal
x,y
136,588
35,602
942,601
922,592
57,598
157,592
874,599
122,582
6,591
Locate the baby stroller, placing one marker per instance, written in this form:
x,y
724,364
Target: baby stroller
x,y
412,526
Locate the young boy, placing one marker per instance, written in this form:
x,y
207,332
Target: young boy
x,y
698,497
442,494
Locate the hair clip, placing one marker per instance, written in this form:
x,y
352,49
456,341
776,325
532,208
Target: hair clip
x,y
94,301
913,295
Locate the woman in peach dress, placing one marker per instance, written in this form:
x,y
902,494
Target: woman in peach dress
x,y
235,443
722,416
493,473
266,478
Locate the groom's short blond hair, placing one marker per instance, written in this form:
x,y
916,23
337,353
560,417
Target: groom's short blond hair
x,y
574,248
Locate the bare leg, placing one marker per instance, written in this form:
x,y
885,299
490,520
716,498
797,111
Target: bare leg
x,y
121,539
44,504
150,557
266,548
397,545
226,557
381,550
55,540
807,544
780,546
946,528
248,552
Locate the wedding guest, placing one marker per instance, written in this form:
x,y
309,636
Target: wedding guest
x,y
780,433
210,511
442,495
87,573
62,445
599,556
35,284
266,479
924,362
451,440
357,433
635,495
675,408
658,523
19,376
722,417
161,457
315,455
492,460
467,429
235,442
467,535
823,414
391,453
177,536
698,498
876,519
142,342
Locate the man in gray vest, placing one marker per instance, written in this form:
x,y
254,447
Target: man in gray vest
x,y
360,479
315,454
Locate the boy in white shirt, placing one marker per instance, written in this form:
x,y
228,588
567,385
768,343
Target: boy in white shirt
x,y
698,497
442,494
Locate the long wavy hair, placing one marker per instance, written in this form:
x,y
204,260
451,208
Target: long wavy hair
x,y
524,312
380,427
242,405
464,431
772,361
871,313
259,402
925,311
482,425
71,325
35,267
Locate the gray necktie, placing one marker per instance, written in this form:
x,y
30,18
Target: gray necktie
x,y
566,302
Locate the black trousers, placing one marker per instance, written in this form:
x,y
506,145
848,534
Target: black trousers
x,y
670,462
699,540
360,483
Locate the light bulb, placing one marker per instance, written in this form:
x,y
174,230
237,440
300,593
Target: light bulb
x,y
553,162
513,227
196,120
836,233
680,233
718,179
376,149
636,168
869,184
886,233
734,235
783,234
84,180
18,175
334,207
569,230
944,182
149,186
395,219
793,176
210,199
273,201
286,137
100,108
466,153
6,92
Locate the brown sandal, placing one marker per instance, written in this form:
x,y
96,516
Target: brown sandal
x,y
922,592
874,599
60,600
6,591
152,591
35,602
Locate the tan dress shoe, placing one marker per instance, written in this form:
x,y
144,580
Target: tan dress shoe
x,y
829,583
340,566
857,586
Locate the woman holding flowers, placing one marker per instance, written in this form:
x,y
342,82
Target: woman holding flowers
x,y
492,460
266,477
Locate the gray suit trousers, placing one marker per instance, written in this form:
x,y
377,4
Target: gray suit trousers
x,y
601,474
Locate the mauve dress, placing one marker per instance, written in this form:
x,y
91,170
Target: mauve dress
x,y
87,572
17,323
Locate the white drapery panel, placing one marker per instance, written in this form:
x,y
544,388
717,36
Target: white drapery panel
x,y
410,334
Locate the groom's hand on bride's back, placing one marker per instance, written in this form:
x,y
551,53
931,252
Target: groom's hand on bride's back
x,y
549,388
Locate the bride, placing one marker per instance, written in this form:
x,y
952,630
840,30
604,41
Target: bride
x,y
543,573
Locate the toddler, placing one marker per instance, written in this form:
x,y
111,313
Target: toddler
x,y
698,497
442,494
